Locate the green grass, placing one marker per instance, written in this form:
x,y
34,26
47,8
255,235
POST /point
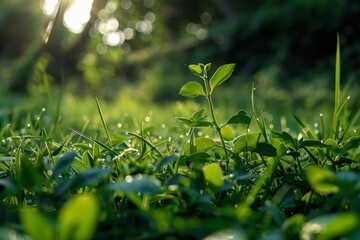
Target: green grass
x,y
88,169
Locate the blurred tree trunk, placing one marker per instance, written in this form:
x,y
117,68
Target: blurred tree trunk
x,y
25,64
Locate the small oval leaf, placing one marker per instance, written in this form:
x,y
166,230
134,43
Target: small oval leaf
x,y
192,89
78,217
213,176
196,69
221,75
320,178
240,117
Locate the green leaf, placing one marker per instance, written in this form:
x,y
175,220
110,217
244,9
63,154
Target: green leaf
x,y
207,67
192,89
240,117
351,143
213,176
196,69
165,160
248,142
201,144
293,224
265,149
137,184
311,143
201,157
78,217
63,162
233,233
221,75
331,226
9,185
37,225
27,175
89,177
227,132
320,178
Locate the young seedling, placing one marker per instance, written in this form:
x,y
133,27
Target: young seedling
x,y
195,89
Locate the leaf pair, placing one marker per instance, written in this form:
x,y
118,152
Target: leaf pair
x,y
195,89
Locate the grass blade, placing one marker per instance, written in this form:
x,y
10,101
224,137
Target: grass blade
x,y
103,120
337,85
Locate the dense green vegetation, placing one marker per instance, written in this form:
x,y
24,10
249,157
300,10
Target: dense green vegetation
x,y
110,128
206,179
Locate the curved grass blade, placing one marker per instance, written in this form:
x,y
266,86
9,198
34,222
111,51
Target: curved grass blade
x,y
95,141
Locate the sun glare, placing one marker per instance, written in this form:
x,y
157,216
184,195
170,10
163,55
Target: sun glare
x,y
76,15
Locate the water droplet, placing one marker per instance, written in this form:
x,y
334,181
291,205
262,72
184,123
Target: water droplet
x,y
300,136
316,125
147,119
200,133
173,187
254,89
43,109
119,125
271,126
321,115
28,125
316,131
163,125
160,137
355,131
50,173
348,97
128,179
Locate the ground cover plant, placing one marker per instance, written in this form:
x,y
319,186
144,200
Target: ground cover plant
x,y
256,184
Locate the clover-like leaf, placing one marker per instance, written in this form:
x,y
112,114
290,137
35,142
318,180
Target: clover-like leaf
x,y
192,89
221,75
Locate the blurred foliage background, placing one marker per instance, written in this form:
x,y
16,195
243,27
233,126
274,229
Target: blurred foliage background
x,y
142,47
